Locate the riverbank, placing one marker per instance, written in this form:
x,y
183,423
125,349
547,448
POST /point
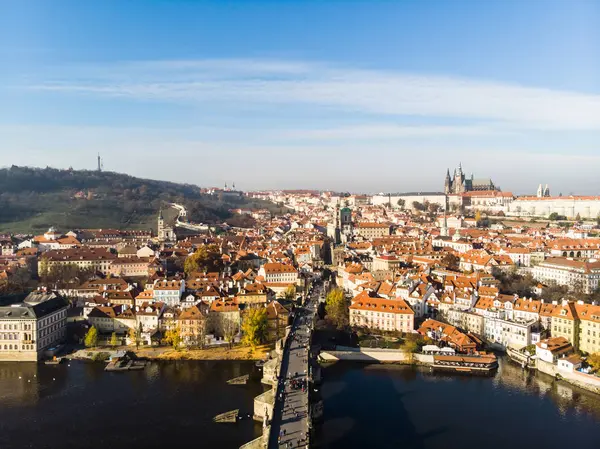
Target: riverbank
x,y
235,353
240,353
461,363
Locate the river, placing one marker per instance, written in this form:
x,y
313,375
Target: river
x,y
168,405
392,406
171,405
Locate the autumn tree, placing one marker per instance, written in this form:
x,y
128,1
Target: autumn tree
x,y
91,337
290,292
206,257
173,337
114,340
135,335
43,268
594,361
255,327
336,308
477,217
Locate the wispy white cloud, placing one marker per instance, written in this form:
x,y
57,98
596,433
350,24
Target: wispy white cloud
x,y
375,132
377,92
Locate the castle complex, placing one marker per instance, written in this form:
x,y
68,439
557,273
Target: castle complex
x,y
459,183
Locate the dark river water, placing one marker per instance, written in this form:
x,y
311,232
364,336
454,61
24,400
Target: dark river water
x,y
171,405
387,406
168,405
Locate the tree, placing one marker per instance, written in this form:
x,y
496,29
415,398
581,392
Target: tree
x,y
336,308
113,340
43,268
401,203
91,337
477,217
135,335
594,361
255,327
555,216
414,344
206,257
290,292
198,332
451,262
418,206
131,335
173,337
432,207
230,328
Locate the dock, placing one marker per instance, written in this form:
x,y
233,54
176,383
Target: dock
x,y
242,380
125,365
227,417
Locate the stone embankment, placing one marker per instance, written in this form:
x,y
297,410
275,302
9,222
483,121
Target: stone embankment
x,y
585,381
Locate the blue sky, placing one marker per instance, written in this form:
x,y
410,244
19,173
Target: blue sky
x,y
360,96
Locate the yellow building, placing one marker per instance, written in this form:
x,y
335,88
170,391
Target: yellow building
x,y
589,328
565,323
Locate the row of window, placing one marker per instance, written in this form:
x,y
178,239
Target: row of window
x,y
9,336
10,347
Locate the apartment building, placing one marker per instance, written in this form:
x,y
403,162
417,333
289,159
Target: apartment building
x,y
30,327
84,258
567,271
371,231
168,291
589,327
276,272
382,314
565,323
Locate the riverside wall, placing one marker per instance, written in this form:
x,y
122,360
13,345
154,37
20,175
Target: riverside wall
x,y
374,355
581,380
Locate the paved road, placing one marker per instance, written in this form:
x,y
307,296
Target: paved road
x,y
290,423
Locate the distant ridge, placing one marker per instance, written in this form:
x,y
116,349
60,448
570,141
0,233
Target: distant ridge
x,y
33,199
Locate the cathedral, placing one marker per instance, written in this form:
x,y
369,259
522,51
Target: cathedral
x,y
459,183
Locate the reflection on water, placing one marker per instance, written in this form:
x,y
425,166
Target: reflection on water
x,y
168,404
400,406
25,384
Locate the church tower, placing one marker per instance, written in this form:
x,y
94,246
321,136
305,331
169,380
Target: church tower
x,y
447,183
165,233
547,191
444,230
161,223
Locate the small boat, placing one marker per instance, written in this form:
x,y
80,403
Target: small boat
x,y
54,361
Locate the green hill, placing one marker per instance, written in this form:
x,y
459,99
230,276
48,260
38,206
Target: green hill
x,y
33,199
